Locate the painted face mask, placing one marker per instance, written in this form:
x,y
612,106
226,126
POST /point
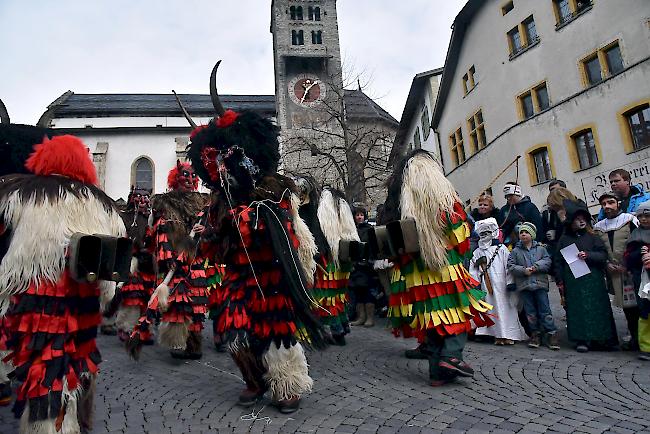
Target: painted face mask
x,y
485,239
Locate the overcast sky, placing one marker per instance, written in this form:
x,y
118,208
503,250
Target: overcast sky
x,y
153,46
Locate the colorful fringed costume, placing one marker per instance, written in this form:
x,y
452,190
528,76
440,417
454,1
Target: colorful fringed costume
x,y
445,299
183,294
134,295
262,308
330,220
52,319
432,296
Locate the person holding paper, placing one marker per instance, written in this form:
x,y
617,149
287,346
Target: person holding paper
x,y
590,322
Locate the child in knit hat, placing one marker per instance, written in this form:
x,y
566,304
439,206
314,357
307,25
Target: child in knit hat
x,y
529,263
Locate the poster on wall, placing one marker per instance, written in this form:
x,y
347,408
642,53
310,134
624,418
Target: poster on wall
x,y
595,185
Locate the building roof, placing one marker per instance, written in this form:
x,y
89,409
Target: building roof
x,y
72,105
412,101
459,27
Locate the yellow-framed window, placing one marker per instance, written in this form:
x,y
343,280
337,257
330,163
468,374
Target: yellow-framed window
x,y
507,7
584,144
540,164
456,146
476,127
533,101
566,10
602,63
634,122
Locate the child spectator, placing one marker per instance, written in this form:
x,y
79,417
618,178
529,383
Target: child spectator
x,y
637,261
529,263
489,266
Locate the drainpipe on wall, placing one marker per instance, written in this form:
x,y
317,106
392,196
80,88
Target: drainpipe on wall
x,y
442,164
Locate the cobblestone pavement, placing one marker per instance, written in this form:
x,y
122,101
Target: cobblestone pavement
x,y
369,387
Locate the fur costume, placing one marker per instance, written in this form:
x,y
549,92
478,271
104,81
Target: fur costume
x,y
183,295
432,296
263,307
330,219
133,296
52,319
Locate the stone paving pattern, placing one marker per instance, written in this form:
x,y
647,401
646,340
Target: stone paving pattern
x,y
369,387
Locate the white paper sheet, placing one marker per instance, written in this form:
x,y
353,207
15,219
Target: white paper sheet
x,y
577,266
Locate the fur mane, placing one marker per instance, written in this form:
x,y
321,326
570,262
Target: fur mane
x,y
336,221
180,210
426,196
41,213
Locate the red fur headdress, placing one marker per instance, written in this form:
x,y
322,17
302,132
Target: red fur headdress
x,y
173,178
63,155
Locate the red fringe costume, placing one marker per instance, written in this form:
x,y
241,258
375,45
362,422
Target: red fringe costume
x,y
262,308
135,293
52,319
177,256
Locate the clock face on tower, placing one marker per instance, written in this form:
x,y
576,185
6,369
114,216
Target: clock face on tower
x,y
306,90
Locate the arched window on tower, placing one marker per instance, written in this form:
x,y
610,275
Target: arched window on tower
x,y
297,37
142,173
317,13
310,13
292,12
316,37
299,13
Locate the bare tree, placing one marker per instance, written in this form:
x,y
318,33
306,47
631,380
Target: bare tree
x,y
346,142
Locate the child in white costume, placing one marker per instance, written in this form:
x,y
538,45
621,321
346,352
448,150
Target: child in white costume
x,y
493,256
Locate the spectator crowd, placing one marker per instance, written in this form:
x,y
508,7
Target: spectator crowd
x,y
594,260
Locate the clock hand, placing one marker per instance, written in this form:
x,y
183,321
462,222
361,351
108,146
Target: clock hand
x,y
307,89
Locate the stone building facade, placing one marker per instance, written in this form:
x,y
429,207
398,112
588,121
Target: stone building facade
x,y
561,83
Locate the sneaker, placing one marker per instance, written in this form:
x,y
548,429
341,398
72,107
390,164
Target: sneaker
x,y
533,342
553,342
339,340
250,396
645,356
417,353
288,406
582,348
457,366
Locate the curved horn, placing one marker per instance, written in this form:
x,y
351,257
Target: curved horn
x,y
4,116
213,91
185,113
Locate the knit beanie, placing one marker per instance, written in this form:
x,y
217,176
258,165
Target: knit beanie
x,y
528,227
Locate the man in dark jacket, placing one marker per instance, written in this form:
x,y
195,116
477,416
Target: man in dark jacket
x,y
518,209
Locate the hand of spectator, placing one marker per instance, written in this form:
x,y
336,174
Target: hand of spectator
x,y
611,267
528,271
582,255
550,235
198,228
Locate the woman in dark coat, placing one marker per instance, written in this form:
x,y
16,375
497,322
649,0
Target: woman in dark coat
x,y
590,322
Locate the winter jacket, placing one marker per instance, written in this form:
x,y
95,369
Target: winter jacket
x,y
521,258
637,197
496,213
524,211
363,275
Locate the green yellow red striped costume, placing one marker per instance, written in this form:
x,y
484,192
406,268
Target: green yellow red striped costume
x,y
447,299
330,292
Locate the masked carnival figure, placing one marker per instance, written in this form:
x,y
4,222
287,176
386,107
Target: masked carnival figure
x,y
432,296
16,143
262,309
182,295
330,220
51,312
131,298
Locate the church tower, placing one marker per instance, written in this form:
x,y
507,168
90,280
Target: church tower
x,y
307,60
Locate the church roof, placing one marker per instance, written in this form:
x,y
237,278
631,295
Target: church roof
x,y
73,105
